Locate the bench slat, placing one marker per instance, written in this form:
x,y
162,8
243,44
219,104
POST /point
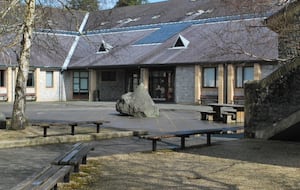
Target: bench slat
x,y
46,179
57,177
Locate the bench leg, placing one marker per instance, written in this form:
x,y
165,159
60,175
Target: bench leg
x,y
154,143
45,131
84,160
55,187
208,139
98,127
73,129
76,168
203,116
67,178
182,142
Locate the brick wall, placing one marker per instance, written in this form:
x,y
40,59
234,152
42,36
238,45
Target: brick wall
x,y
272,100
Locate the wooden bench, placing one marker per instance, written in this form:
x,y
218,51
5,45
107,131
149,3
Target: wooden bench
x,y
207,99
47,125
30,97
3,97
239,100
183,135
207,115
229,117
46,179
76,156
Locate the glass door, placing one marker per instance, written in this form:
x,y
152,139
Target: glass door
x,y
161,86
81,85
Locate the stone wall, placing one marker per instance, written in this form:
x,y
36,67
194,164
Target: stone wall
x,y
287,24
185,84
111,90
272,100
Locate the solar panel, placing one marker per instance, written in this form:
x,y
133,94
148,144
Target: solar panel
x,y
164,33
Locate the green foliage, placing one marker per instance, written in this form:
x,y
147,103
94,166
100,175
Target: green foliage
x,y
123,3
84,5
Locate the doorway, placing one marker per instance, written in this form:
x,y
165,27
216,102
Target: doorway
x,y
161,85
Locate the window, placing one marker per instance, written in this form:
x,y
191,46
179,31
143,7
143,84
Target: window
x,y
80,82
104,47
2,78
30,80
108,76
210,77
181,42
49,79
243,74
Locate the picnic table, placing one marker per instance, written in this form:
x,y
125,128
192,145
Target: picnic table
x,y
217,109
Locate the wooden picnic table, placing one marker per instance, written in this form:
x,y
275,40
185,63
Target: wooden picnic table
x,y
217,108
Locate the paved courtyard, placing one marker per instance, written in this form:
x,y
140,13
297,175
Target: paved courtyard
x,y
232,157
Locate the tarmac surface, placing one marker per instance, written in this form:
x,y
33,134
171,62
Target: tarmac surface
x,y
16,164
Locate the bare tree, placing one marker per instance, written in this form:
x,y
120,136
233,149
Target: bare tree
x,y
18,116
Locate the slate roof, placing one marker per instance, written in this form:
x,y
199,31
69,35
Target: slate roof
x,y
145,34
246,40
177,10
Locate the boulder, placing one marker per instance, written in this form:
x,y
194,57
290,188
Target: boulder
x,y
137,103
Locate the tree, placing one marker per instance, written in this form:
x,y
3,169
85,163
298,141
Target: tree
x,y
123,3
85,5
18,116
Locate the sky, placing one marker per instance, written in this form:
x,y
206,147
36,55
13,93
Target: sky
x,y
107,4
104,4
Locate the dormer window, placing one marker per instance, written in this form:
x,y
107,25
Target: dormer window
x,y
181,42
104,47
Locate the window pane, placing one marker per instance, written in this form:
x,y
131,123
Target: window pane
x,y
248,74
30,80
209,77
239,77
49,79
84,74
2,78
76,74
83,84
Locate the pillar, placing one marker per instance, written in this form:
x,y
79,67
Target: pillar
x,y
198,83
230,83
220,82
145,77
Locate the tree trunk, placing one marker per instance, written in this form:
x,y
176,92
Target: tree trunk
x,y
19,119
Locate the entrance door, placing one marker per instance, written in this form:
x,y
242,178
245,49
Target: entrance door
x,y
132,80
161,86
81,85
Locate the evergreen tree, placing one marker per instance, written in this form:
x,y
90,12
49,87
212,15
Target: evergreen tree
x,y
85,5
123,3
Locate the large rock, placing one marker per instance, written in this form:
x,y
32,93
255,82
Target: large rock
x,y
137,104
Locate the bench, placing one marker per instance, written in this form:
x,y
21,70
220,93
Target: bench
x,y
47,125
207,99
76,156
46,179
229,117
239,100
183,135
30,97
3,97
207,115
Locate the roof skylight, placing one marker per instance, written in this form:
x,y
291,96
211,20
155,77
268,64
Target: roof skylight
x,y
104,47
181,42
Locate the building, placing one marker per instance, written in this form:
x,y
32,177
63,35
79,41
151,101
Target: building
x,y
202,52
